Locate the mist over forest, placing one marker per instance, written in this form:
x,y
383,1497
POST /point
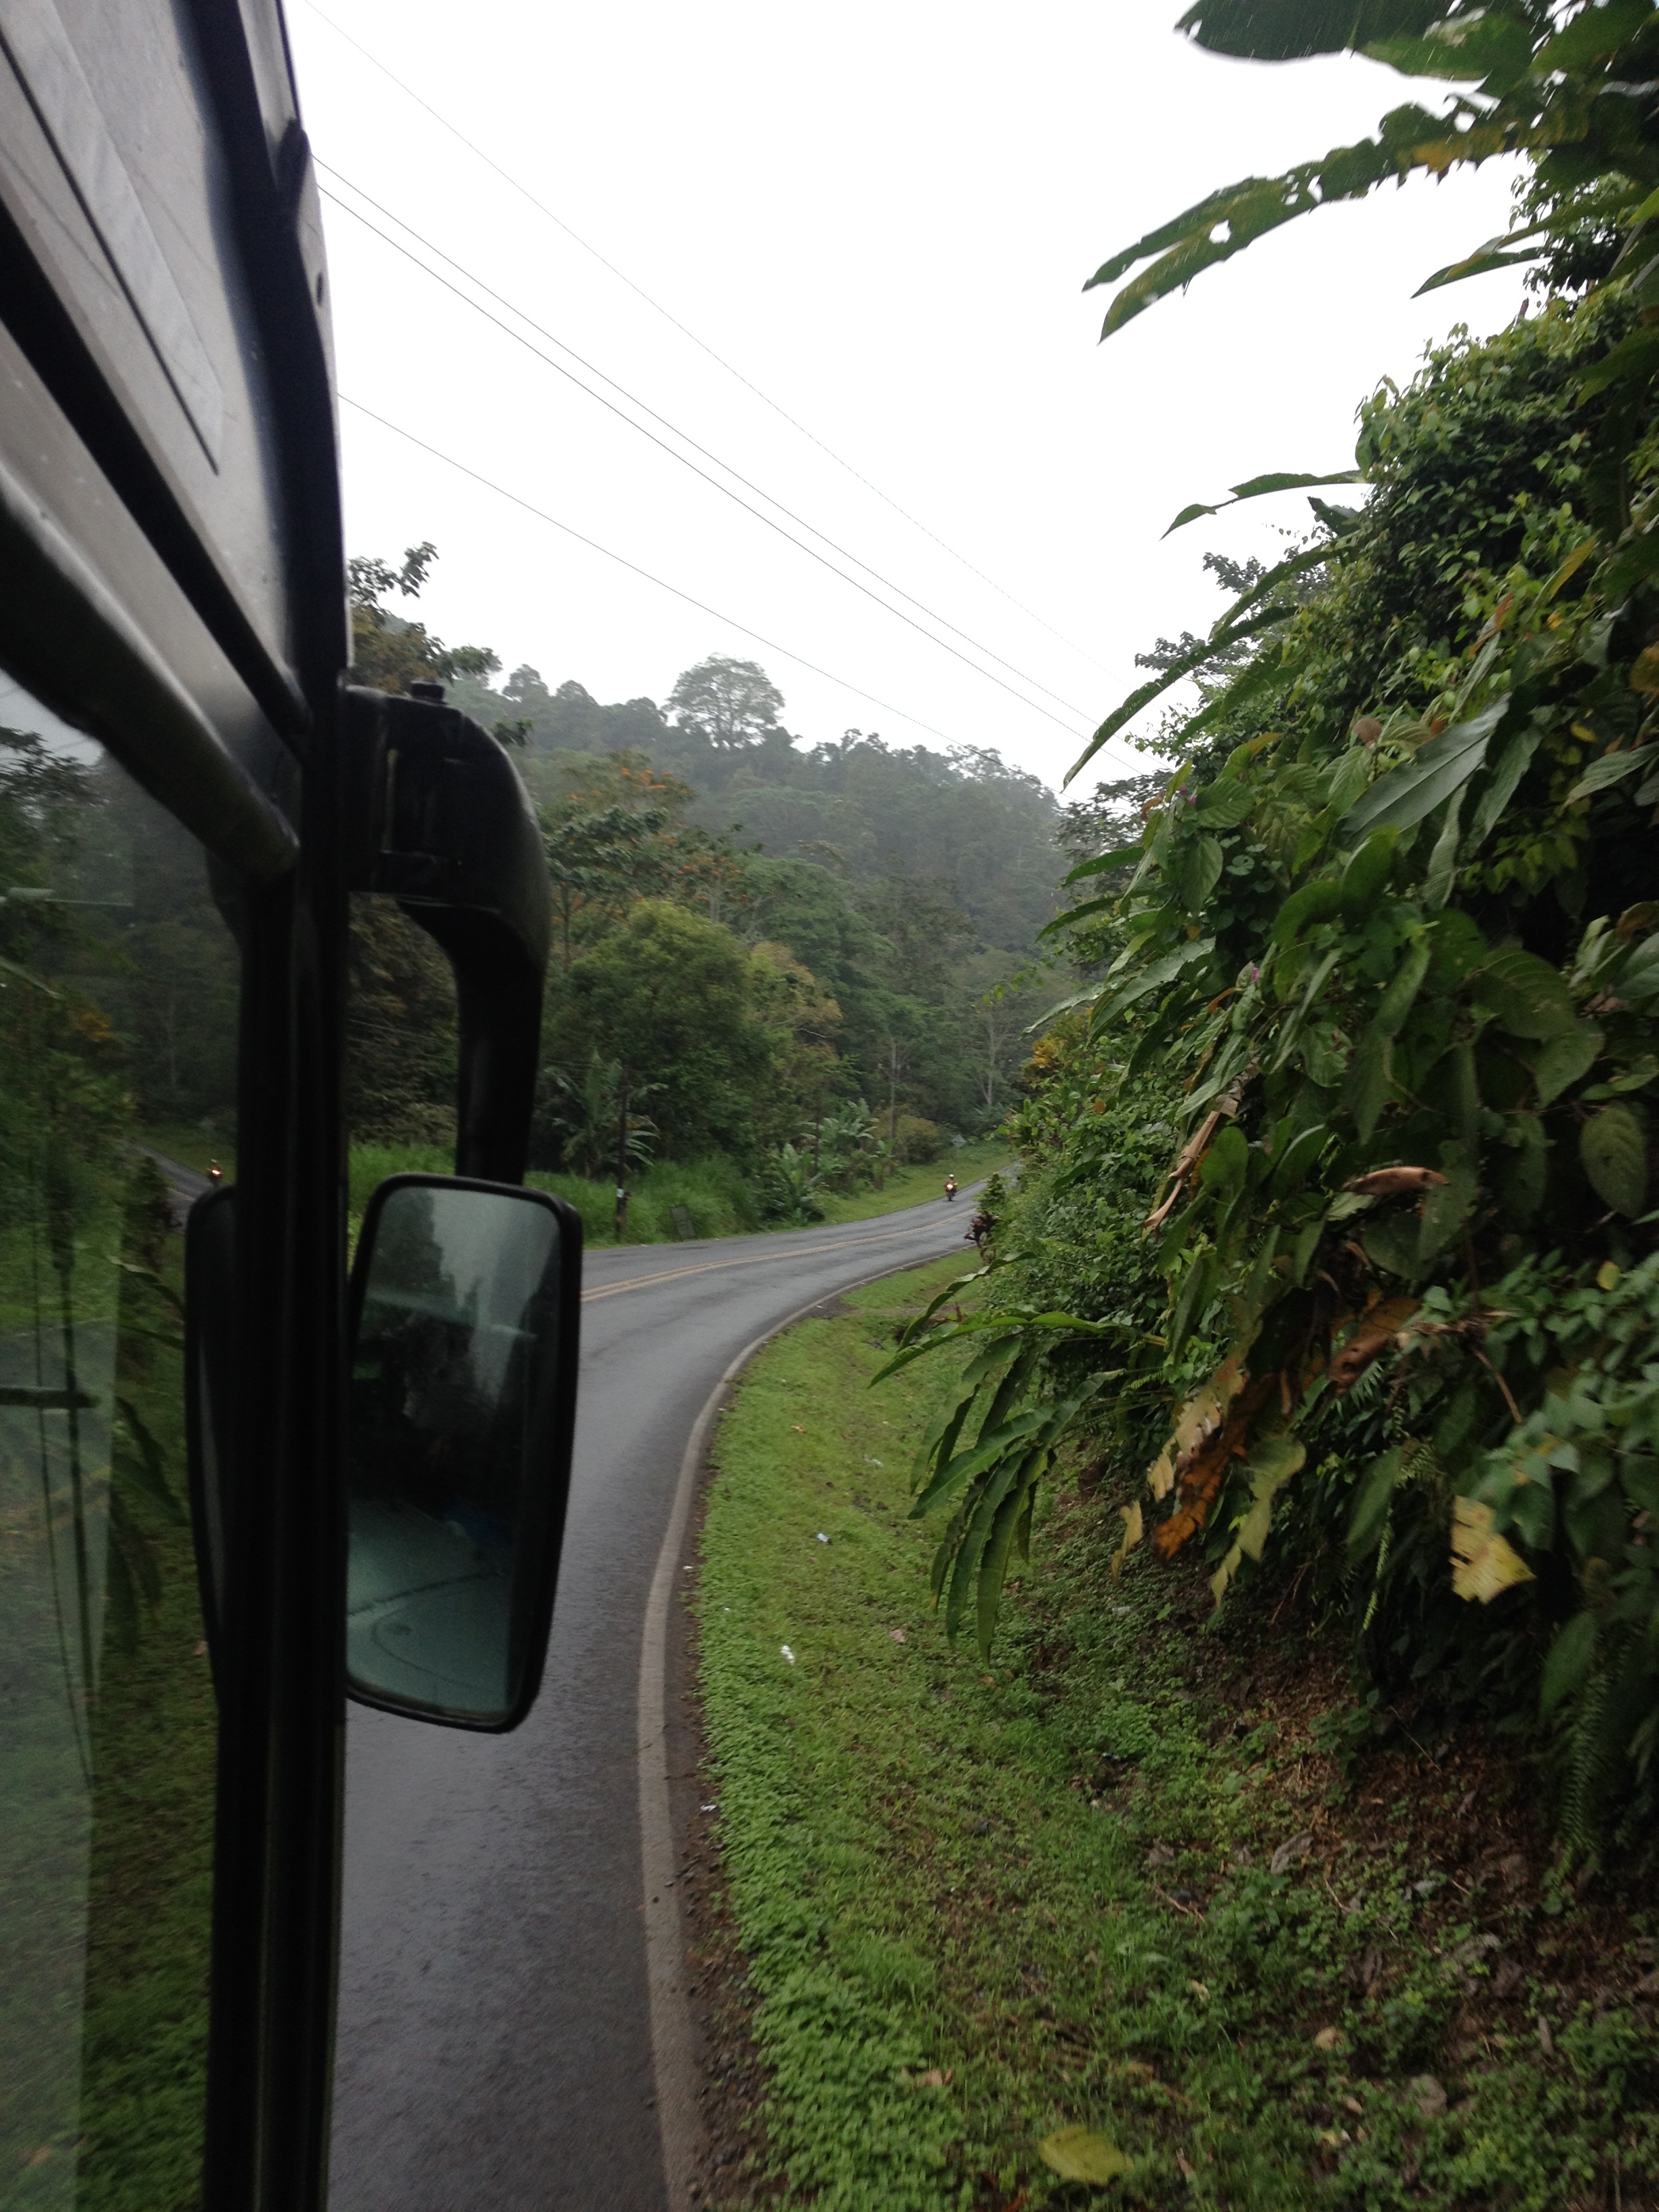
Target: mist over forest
x,y
766,937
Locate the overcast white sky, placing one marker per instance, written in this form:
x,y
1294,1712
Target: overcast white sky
x,y
883,216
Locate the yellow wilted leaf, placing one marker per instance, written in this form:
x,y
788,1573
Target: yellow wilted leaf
x,y
1483,1563
1203,1412
1272,1465
1132,1534
1644,671
1080,2155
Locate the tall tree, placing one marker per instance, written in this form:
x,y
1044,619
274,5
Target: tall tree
x,y
390,653
733,704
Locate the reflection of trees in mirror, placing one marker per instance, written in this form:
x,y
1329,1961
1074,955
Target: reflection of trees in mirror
x,y
118,985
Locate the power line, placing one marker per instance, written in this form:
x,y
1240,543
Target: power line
x,y
702,344
725,491
645,408
662,584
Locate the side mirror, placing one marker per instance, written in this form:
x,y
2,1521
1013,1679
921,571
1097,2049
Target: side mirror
x,y
464,1304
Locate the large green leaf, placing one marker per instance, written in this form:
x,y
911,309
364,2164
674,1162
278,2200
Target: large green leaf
x,y
1144,696
1615,1157
1152,978
1562,1060
1289,30
1635,357
1365,876
1481,263
1225,803
1614,768
1197,873
1312,902
1529,998
1211,232
1406,794
1298,564
1512,765
1594,35
1401,994
1260,675
1097,864
1478,43
1261,487
1372,1502
1567,1665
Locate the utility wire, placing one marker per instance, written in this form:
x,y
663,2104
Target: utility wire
x,y
702,344
662,584
674,429
800,544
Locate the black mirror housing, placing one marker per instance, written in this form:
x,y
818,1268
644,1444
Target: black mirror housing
x,y
438,818
465,1299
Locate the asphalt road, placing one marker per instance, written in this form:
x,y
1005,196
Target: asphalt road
x,y
495,2036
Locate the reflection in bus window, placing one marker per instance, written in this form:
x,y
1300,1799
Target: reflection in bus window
x,y
117,1018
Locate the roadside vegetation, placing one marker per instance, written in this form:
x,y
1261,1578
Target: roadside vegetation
x,y
1130,1881
1334,1254
815,962
1287,1476
671,1201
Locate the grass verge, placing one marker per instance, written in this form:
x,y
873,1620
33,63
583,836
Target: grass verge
x,y
1115,1879
913,1186
713,1193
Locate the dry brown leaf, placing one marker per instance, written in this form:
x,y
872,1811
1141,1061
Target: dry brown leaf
x,y
1378,1325
1201,1414
1190,1156
1395,1183
1199,1473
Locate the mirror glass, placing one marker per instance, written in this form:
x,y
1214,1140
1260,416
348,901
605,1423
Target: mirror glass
x,y
459,1450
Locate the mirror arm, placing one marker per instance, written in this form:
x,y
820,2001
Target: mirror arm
x,y
437,817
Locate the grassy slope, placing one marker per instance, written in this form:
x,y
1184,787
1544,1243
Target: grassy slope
x,y
1114,1884
712,1191
911,1186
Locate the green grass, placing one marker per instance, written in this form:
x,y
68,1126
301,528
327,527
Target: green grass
x,y
712,1192
981,1905
912,1185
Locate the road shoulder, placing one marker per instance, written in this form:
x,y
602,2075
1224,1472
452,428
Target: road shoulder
x,y
1125,1879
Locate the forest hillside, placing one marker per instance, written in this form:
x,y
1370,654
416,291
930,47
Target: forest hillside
x,y
818,962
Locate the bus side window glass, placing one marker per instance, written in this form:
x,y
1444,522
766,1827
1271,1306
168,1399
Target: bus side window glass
x,y
119,990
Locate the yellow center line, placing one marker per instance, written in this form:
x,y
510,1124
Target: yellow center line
x,y
761,1260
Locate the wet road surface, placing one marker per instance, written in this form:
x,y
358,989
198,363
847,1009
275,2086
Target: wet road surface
x,y
493,2049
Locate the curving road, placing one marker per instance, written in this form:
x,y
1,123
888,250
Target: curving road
x,y
494,2042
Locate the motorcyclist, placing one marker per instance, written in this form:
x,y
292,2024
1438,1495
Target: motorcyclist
x,y
950,1186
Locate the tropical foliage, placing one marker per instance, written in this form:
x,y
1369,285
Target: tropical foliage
x,y
877,910
1336,1219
